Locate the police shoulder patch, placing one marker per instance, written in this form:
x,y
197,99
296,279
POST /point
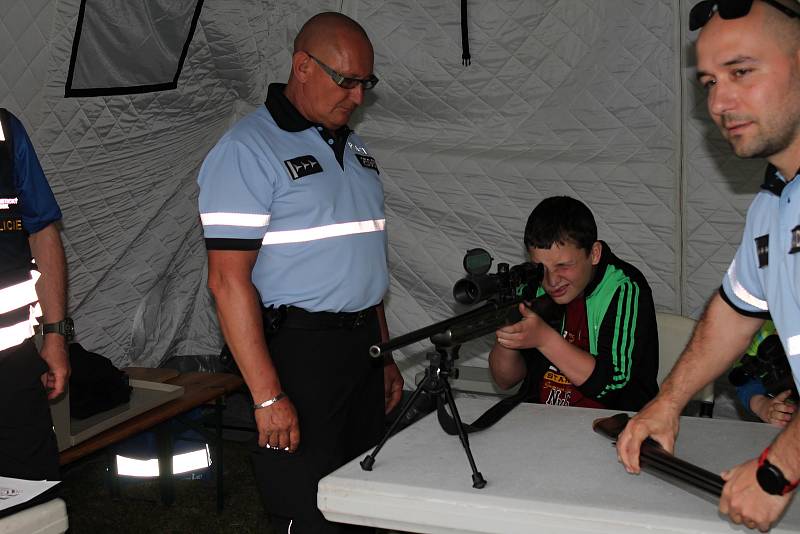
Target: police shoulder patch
x,y
368,162
795,240
762,250
302,166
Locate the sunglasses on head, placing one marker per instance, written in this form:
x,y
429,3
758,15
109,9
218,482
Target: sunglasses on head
x,y
702,12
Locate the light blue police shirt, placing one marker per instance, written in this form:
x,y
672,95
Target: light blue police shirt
x,y
764,276
321,225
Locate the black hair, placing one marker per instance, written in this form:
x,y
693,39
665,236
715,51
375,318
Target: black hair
x,y
561,220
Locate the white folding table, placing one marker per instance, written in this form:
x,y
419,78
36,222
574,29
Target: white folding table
x,y
46,518
546,471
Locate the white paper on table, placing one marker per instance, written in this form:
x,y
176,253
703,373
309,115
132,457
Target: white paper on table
x,y
14,491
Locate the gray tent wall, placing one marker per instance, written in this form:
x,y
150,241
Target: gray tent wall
x,y
124,167
589,98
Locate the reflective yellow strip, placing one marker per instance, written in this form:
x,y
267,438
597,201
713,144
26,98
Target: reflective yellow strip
x,y
250,220
18,295
324,232
13,335
742,293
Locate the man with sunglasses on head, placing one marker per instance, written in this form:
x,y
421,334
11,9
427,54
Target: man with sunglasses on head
x,y
292,209
748,60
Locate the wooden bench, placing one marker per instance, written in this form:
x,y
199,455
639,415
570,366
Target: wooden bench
x,y
198,389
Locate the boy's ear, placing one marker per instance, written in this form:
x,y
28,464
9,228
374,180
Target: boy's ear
x,y
596,252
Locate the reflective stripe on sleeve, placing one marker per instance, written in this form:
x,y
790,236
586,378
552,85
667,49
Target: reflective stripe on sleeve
x,y
2,133
250,220
324,232
13,335
743,294
793,346
18,295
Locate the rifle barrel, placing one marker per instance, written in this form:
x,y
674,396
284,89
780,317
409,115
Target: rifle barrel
x,y
478,315
653,457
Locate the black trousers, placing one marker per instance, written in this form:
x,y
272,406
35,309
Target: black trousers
x,y
28,446
337,389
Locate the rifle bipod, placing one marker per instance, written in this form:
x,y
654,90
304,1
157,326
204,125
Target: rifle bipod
x,y
436,382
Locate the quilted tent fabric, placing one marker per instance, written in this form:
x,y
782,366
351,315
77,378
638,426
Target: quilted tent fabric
x,y
124,167
579,97
562,97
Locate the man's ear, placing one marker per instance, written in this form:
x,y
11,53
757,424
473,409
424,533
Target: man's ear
x,y
596,252
301,66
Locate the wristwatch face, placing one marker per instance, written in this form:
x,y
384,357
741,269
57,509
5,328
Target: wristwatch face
x,y
771,479
64,327
69,329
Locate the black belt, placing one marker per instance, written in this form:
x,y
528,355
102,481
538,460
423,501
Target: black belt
x,y
293,317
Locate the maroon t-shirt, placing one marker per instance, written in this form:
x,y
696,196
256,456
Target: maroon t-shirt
x,y
555,388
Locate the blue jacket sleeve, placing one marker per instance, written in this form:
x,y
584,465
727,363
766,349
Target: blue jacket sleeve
x,y
748,390
39,206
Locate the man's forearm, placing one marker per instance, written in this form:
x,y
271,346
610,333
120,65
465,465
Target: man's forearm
x,y
51,288
719,338
239,311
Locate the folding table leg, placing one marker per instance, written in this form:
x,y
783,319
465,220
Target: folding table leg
x,y
218,405
112,472
165,478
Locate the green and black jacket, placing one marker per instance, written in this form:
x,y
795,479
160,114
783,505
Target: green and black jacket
x,y
623,337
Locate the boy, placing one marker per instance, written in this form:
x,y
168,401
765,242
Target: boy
x,y
606,352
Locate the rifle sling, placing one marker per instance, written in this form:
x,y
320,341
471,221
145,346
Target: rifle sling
x,y
489,417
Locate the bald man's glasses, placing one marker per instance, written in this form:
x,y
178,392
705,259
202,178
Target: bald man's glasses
x,y
702,12
343,81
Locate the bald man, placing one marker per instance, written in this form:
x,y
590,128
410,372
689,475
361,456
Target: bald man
x,y
292,209
748,60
